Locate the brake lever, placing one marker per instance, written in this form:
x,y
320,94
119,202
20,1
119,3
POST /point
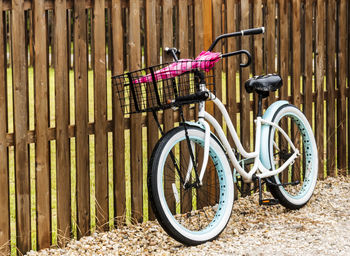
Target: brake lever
x,y
172,52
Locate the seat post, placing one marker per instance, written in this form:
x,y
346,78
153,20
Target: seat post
x,y
260,98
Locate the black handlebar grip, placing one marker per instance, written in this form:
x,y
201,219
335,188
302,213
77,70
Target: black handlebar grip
x,y
198,96
253,31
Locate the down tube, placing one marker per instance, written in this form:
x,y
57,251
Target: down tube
x,y
226,144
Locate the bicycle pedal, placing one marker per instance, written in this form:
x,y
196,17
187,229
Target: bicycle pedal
x,y
268,201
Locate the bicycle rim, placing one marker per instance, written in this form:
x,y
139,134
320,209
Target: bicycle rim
x,y
197,213
300,177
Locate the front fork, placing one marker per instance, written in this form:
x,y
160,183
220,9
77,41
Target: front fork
x,y
192,163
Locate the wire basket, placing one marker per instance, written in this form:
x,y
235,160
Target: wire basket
x,y
155,88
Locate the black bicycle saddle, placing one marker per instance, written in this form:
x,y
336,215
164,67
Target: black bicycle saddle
x,y
263,84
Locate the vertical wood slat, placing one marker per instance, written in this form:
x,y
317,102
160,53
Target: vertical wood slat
x,y
257,64
41,122
245,101
270,42
20,84
296,52
231,85
100,102
198,27
330,81
118,118
348,77
284,60
4,173
168,119
151,59
203,17
183,24
217,30
258,39
81,108
135,119
296,67
341,110
109,38
307,84
320,66
213,192
62,121
245,97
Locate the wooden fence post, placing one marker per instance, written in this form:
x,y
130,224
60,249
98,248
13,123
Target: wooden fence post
x,y
330,78
20,85
168,115
100,102
81,118
118,118
63,174
42,175
4,172
151,59
284,59
135,119
231,81
245,97
307,83
341,110
320,67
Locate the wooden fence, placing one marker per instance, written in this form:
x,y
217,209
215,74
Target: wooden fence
x,y
70,161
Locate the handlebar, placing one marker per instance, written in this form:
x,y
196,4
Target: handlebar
x,y
247,32
253,31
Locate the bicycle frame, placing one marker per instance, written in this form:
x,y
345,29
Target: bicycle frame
x,y
204,118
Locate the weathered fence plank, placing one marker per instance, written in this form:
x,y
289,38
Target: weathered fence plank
x,y
100,102
81,118
151,60
245,97
135,119
320,67
270,42
4,173
62,121
307,82
341,109
168,120
118,117
232,68
41,78
20,85
296,66
284,59
330,81
183,46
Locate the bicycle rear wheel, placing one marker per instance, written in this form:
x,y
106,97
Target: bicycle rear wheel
x,y
300,177
190,214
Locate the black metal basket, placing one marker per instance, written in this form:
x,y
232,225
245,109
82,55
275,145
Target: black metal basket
x,y
155,88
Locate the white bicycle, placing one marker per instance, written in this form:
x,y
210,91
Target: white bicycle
x,y
190,179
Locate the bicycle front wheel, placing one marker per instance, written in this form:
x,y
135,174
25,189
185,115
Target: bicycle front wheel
x,y
296,183
189,212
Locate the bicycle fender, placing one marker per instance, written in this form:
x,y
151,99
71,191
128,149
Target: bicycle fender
x,y
265,130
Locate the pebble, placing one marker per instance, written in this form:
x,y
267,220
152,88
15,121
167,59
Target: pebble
x,y
321,227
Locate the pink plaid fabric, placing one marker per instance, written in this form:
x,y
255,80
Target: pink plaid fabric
x,y
205,61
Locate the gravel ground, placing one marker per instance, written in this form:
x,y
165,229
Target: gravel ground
x,y
321,227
